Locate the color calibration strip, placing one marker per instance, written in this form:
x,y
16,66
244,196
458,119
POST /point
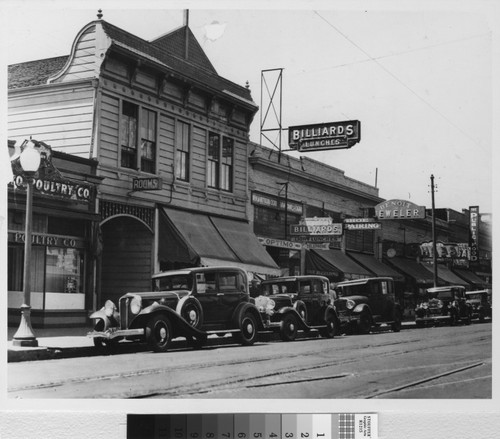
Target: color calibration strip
x,y
253,426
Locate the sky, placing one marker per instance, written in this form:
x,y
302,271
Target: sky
x,y
418,76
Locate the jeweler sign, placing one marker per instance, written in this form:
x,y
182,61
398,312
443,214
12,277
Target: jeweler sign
x,y
399,209
324,136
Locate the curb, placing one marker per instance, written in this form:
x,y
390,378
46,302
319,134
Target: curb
x,y
17,355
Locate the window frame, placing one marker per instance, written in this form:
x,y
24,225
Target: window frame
x,y
185,153
220,169
139,157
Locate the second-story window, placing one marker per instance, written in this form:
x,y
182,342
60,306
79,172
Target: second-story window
x,y
143,158
129,135
213,160
182,148
148,141
220,162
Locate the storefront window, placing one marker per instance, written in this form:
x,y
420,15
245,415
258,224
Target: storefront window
x,y
63,273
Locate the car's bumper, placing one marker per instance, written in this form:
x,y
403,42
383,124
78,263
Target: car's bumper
x,y
348,319
432,318
112,333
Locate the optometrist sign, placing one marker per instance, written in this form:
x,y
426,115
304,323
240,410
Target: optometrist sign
x,y
324,136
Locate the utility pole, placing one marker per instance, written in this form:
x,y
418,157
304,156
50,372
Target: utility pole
x,y
434,247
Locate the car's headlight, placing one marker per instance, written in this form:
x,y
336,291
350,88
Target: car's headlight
x,y
136,305
109,308
439,304
265,305
350,304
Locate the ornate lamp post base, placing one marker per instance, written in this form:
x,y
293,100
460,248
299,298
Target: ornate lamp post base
x,y
24,335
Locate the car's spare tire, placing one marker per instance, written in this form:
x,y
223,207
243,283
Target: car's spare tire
x,y
189,308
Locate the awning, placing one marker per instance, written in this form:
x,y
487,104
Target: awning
x,y
470,277
200,239
446,275
375,266
343,263
413,269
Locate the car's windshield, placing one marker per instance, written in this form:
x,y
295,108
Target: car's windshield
x,y
443,295
477,296
352,290
279,288
173,282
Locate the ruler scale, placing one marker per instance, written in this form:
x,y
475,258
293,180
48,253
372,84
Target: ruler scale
x,y
253,426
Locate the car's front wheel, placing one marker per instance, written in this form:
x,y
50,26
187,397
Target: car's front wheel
x,y
365,323
159,333
396,324
288,328
331,327
248,330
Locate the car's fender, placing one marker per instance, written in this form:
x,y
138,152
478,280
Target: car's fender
x,y
181,326
331,310
291,310
107,322
358,309
241,309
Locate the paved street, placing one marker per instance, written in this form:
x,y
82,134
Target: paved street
x,y
441,362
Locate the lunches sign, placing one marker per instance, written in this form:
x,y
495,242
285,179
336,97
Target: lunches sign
x,y
323,136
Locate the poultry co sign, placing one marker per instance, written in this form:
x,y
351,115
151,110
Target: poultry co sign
x,y
323,136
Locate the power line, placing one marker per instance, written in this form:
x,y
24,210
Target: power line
x,y
457,127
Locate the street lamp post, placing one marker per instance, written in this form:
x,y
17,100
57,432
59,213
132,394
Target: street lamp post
x,y
30,162
434,247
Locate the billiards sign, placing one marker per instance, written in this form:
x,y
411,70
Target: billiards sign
x,y
324,136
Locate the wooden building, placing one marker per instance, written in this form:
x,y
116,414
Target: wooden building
x,y
170,137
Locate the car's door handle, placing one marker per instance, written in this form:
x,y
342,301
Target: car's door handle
x,y
220,294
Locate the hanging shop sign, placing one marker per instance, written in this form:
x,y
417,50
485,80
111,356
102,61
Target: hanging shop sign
x,y
48,179
265,200
316,221
324,136
281,243
336,239
444,251
361,224
323,229
474,233
399,209
146,184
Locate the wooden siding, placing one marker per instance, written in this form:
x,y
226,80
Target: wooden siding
x,y
126,258
108,127
117,183
60,116
83,64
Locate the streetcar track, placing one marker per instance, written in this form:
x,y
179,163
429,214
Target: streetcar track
x,y
425,380
228,383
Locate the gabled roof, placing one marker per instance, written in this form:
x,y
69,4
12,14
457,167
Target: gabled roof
x,y
32,73
175,43
169,50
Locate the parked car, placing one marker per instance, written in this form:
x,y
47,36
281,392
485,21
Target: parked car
x,y
294,303
367,303
443,304
191,303
480,304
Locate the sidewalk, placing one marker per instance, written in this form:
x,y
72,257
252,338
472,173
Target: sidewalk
x,y
56,343
52,343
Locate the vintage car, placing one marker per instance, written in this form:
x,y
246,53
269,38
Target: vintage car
x,y
480,304
443,304
191,303
298,303
367,303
